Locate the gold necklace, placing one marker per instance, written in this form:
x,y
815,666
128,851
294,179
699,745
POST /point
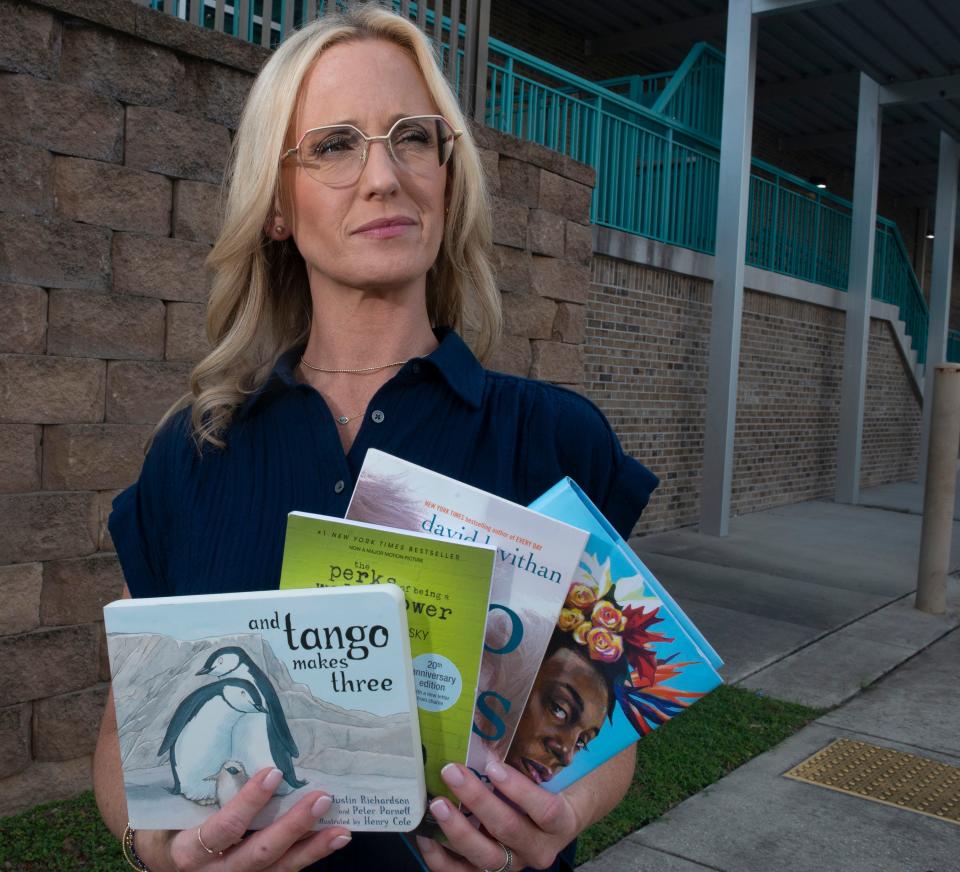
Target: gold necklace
x,y
364,369
343,420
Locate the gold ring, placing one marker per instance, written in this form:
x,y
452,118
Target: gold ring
x,y
507,860
205,848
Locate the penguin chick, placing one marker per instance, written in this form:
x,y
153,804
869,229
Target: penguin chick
x,y
256,745
199,736
228,781
264,741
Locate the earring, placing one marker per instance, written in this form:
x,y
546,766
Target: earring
x,y
278,229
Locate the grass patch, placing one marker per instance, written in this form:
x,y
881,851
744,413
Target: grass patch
x,y
66,836
721,732
714,737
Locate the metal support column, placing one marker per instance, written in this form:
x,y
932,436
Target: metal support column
x,y
735,144
859,292
944,228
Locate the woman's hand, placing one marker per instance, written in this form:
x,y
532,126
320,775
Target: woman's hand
x,y
289,843
536,827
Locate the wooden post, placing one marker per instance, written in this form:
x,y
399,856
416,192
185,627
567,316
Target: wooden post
x,y
939,492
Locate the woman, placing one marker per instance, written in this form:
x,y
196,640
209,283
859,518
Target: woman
x,y
356,233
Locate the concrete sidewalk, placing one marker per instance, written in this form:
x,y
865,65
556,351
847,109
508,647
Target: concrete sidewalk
x,y
813,603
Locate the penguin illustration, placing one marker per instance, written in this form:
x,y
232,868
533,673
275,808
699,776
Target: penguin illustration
x,y
228,781
262,740
199,736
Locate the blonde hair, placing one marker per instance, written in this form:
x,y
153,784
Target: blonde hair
x,y
260,305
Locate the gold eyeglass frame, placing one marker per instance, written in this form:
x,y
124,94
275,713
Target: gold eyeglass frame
x,y
385,139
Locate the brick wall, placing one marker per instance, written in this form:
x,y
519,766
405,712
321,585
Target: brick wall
x,y
891,421
109,190
788,402
646,368
646,352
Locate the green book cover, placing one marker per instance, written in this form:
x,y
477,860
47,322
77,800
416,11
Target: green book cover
x,y
447,590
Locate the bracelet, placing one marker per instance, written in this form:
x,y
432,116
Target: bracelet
x,y
130,852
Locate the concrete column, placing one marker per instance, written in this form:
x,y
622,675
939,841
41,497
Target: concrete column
x,y
921,244
944,227
940,490
857,332
724,361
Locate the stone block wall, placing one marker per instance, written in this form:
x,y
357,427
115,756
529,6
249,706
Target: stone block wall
x,y
542,247
110,167
647,341
119,122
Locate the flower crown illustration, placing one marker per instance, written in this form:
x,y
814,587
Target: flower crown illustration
x,y
613,622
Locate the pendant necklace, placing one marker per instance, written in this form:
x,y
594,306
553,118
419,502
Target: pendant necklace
x,y
343,420
353,371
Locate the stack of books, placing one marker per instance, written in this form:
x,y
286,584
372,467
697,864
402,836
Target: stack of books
x,y
436,623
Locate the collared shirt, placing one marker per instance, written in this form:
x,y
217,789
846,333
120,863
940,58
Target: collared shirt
x,y
214,522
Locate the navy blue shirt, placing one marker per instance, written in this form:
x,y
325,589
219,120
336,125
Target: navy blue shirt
x,y
214,522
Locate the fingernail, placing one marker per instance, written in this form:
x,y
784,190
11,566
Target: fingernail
x,y
496,772
339,842
452,775
272,781
426,846
321,806
440,810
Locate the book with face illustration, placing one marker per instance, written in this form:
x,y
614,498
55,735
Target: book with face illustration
x,y
447,590
317,683
535,561
623,657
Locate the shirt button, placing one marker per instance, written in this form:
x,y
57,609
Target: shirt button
x,y
338,487
415,368
377,416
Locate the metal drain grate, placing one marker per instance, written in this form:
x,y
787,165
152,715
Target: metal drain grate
x,y
884,775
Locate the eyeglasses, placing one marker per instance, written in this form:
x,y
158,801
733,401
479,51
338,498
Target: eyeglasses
x,y
337,153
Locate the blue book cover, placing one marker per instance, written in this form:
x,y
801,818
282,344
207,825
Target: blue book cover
x,y
623,659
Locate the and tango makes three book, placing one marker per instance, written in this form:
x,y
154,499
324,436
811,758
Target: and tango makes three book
x,y
211,689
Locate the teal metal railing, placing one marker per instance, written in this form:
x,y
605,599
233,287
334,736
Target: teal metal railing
x,y
694,95
894,281
243,19
797,229
657,176
521,103
640,89
654,142
953,346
